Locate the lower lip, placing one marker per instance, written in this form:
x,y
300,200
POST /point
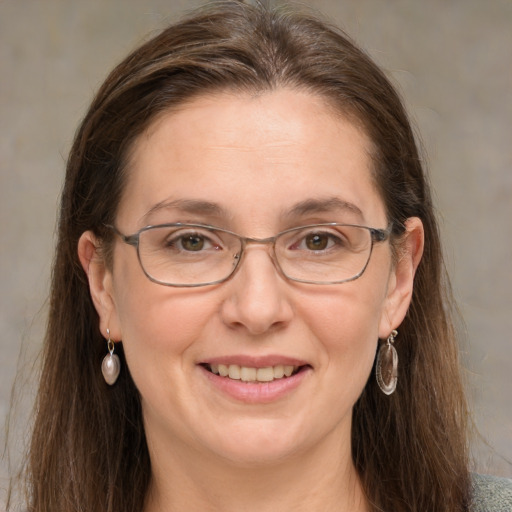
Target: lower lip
x,y
256,392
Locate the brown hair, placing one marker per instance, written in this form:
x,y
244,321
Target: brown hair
x,y
88,448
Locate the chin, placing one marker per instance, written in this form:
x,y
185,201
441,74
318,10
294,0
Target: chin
x,y
258,444
256,455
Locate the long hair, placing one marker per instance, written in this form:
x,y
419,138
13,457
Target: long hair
x,y
88,449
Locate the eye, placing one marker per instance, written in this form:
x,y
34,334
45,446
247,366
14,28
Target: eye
x,y
192,242
316,241
188,241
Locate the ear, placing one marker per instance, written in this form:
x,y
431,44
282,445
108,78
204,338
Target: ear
x,y
100,284
400,285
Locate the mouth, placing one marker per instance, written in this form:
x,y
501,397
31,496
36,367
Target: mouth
x,y
253,374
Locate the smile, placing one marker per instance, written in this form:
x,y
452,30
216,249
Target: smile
x,y
255,380
251,374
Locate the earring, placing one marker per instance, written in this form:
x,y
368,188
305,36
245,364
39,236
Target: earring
x,y
386,369
111,365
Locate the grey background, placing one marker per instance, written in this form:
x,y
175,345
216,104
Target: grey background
x,y
452,61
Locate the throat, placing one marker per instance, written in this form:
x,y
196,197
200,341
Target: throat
x,y
292,484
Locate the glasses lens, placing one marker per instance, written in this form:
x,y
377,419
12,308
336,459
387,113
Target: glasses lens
x,y
187,255
324,254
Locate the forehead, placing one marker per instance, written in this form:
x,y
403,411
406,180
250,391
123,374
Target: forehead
x,y
251,155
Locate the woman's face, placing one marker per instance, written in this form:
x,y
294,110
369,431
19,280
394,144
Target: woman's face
x,y
255,165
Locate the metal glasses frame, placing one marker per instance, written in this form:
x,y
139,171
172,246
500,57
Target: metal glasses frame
x,y
377,236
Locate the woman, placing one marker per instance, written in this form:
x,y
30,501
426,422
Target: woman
x,y
285,270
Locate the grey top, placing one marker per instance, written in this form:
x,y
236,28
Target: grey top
x,y
491,494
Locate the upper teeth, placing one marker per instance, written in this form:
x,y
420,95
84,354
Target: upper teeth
x,y
247,374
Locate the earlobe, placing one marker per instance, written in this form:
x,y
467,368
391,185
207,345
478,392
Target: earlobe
x,y
401,281
100,283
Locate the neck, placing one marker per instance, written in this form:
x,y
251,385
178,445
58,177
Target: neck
x,y
321,480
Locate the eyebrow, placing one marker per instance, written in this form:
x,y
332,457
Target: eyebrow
x,y
323,205
191,206
302,208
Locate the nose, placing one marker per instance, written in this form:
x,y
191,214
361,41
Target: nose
x,y
257,295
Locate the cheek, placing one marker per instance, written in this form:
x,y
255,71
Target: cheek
x,y
157,323
346,325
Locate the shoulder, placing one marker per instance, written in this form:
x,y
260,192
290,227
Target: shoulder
x,y
491,494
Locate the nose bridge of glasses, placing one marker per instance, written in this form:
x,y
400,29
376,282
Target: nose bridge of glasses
x,y
268,242
246,240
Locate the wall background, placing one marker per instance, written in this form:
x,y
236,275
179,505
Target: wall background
x,y
451,60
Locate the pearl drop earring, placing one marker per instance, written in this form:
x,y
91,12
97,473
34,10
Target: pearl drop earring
x,y
111,365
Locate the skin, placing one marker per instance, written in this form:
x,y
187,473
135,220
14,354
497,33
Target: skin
x,y
256,157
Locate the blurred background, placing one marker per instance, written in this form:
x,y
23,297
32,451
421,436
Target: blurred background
x,y
452,62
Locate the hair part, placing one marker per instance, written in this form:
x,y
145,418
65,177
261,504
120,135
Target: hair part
x,y
88,449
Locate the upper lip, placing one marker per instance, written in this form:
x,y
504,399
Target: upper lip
x,y
255,361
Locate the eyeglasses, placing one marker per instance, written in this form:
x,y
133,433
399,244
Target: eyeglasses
x,y
189,255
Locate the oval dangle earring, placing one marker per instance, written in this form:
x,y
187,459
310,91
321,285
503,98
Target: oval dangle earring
x,y
386,369
111,365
